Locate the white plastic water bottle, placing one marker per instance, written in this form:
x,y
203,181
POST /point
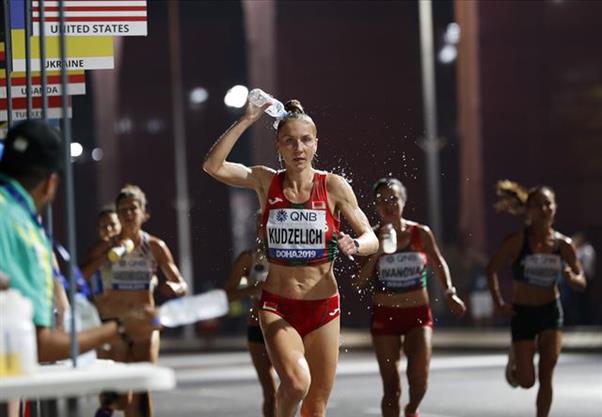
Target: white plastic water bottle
x,y
18,351
86,317
186,310
259,98
389,239
117,252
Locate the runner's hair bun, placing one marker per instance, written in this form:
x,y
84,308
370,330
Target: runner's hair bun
x,y
294,106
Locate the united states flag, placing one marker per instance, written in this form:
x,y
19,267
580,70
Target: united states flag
x,y
93,17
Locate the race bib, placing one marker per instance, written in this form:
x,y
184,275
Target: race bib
x,y
132,274
296,234
542,269
398,271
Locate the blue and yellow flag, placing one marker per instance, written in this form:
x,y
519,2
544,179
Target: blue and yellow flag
x,y
83,52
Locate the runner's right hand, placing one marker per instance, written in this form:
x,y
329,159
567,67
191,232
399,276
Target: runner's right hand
x,y
505,310
253,112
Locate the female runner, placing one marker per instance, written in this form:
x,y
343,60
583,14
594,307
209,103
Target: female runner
x,y
540,257
299,307
127,283
401,314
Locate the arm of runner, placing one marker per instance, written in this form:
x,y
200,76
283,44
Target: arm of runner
x,y
362,279
508,250
345,203
235,174
455,303
366,273
95,258
572,272
164,259
241,268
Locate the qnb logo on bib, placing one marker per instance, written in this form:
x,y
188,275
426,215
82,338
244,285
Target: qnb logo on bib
x,y
401,270
296,234
542,269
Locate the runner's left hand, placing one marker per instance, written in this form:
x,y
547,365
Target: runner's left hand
x,y
346,244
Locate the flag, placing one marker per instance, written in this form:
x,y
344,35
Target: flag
x,y
76,84
83,52
93,18
20,108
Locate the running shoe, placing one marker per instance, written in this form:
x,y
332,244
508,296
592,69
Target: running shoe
x,y
406,414
103,412
511,369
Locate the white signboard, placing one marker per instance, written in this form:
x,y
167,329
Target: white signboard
x,y
93,18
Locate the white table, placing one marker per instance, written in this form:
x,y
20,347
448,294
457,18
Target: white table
x,y
61,380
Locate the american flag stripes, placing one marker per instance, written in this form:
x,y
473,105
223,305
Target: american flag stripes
x,y
93,17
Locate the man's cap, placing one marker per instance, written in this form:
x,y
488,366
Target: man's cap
x,y
32,144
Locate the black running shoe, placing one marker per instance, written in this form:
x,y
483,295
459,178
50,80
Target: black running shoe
x,y
103,412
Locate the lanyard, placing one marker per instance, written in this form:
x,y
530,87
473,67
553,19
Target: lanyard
x,y
81,283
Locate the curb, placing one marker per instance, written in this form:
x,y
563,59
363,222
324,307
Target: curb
x,y
577,339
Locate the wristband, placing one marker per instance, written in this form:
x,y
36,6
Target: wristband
x,y
357,245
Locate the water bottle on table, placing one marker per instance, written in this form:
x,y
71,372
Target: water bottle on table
x,y
18,351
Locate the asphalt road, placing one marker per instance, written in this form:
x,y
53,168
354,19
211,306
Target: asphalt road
x,y
224,385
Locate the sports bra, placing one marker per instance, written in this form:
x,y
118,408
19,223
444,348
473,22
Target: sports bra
x,y
541,269
404,270
300,234
133,272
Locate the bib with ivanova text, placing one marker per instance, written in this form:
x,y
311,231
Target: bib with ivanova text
x,y
402,271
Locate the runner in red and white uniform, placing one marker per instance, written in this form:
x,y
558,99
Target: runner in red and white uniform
x,y
401,314
299,308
